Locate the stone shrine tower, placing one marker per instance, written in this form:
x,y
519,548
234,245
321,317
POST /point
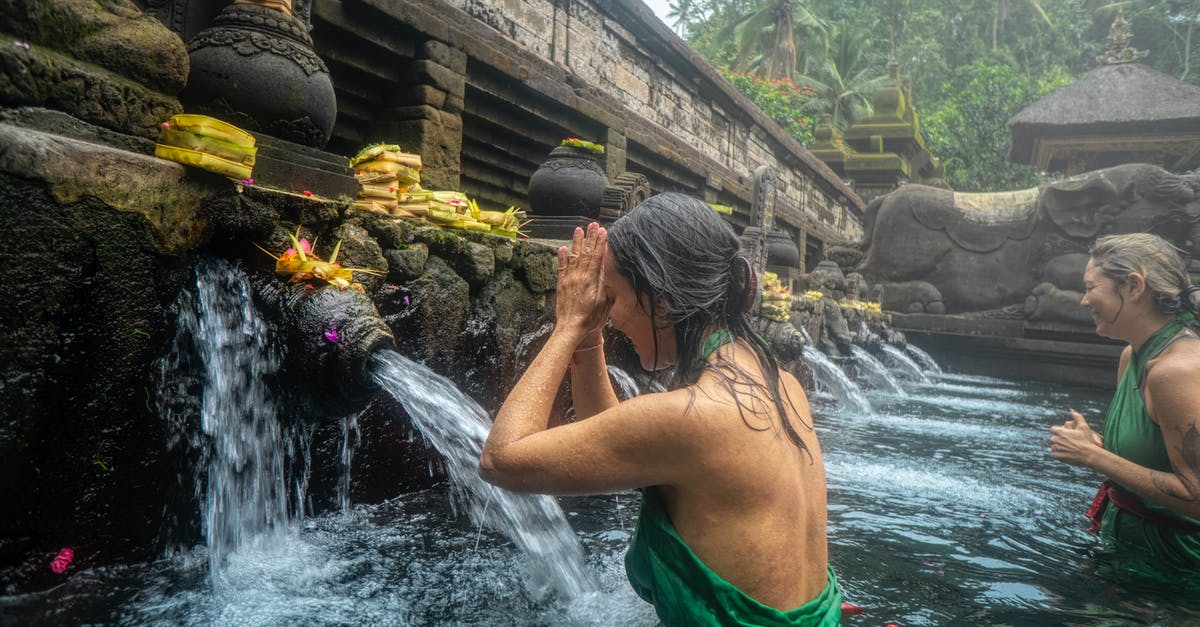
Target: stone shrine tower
x,y
883,152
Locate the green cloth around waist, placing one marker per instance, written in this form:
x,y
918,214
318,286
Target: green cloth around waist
x,y
1154,546
664,571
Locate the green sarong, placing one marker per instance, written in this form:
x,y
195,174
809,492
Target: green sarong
x,y
665,572
1129,433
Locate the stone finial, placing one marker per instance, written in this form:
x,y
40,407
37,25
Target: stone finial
x,y
280,5
1116,46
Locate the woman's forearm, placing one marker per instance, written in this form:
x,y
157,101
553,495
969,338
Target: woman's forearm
x,y
527,409
591,390
1163,488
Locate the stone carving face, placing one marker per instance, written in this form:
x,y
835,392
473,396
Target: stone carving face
x,y
1123,199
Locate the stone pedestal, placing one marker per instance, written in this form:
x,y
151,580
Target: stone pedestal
x,y
291,167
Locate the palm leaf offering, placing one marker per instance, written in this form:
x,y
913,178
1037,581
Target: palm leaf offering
x,y
207,143
301,263
390,184
776,299
385,173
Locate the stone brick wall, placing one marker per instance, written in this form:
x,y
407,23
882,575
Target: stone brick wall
x,y
487,87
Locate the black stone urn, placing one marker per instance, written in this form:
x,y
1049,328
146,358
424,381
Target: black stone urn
x,y
781,250
255,68
569,183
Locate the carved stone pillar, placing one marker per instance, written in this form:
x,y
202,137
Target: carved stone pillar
x,y
427,112
766,192
614,153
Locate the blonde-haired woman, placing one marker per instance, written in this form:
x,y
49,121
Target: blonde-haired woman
x,y
1138,291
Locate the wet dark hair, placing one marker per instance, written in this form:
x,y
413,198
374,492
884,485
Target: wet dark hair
x,y
676,251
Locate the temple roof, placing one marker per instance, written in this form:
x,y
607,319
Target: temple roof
x,y
1109,100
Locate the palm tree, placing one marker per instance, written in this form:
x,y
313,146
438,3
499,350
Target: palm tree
x,y
1002,12
845,77
765,37
683,14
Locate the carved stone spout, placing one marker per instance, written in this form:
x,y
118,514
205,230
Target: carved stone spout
x,y
331,335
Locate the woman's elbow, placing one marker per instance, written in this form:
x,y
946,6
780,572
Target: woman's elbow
x,y
495,469
487,468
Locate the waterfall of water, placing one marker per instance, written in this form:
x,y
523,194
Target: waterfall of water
x,y
457,427
350,431
875,372
246,494
626,386
804,332
925,359
831,378
899,359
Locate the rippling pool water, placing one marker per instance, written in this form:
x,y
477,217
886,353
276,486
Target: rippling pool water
x,y
945,508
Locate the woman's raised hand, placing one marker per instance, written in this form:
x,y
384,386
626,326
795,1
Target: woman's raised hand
x,y
582,305
1075,442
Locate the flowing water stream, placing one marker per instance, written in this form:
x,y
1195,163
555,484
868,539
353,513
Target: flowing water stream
x,y
873,371
904,364
832,380
945,508
924,358
457,428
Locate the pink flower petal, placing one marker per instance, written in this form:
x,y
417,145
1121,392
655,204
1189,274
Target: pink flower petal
x,y
60,563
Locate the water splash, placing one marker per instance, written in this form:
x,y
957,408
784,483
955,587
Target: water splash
x,y
530,338
626,386
457,427
897,358
831,378
926,359
875,372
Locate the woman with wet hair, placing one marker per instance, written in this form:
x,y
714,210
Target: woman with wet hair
x,y
1138,291
732,525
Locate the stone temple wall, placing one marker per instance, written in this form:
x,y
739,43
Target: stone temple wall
x,y
485,88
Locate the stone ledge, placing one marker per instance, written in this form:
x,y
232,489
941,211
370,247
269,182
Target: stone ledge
x,y
163,192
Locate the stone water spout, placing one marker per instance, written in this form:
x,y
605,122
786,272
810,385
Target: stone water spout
x,y
330,336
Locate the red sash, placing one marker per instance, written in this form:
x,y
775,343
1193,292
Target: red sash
x,y
1110,492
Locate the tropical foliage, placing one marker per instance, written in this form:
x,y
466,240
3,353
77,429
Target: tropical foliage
x,y
782,100
844,74
969,65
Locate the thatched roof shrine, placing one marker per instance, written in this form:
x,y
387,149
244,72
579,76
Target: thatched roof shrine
x,y
1120,112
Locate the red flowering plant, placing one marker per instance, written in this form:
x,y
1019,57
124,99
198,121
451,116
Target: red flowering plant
x,y
584,144
789,104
